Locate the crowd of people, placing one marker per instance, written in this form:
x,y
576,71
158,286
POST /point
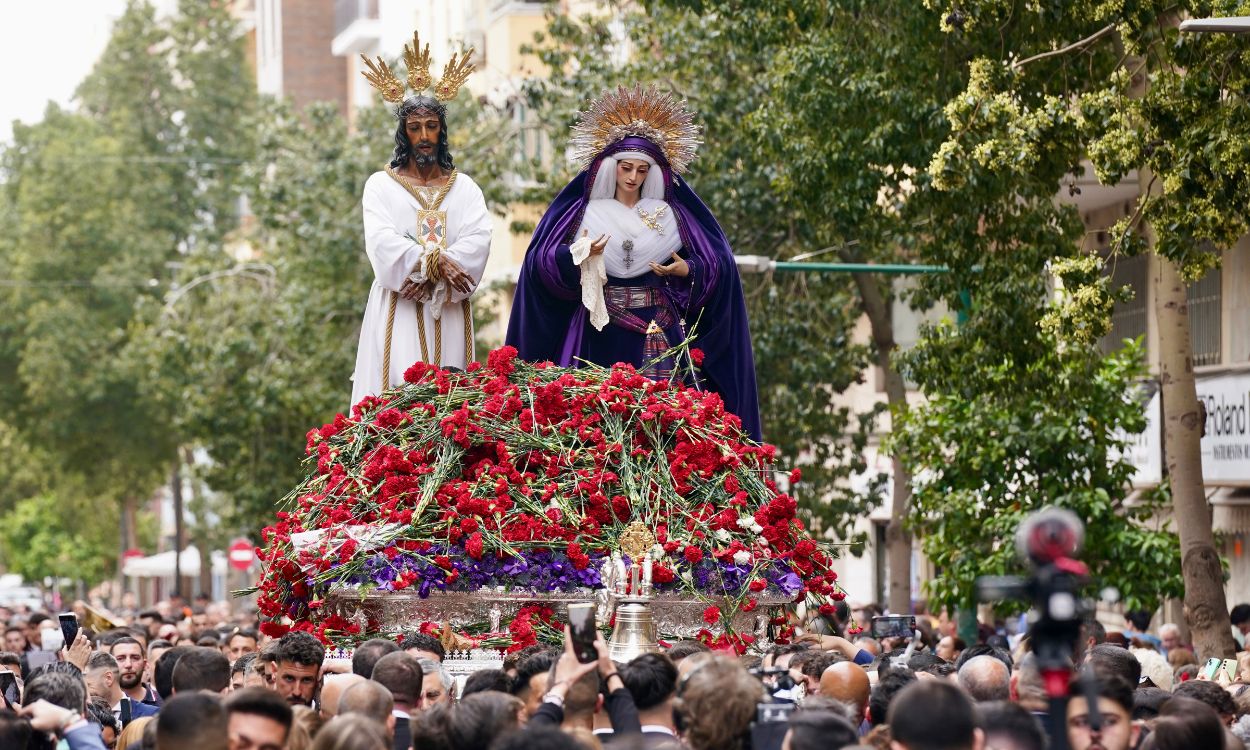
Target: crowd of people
x,y
197,679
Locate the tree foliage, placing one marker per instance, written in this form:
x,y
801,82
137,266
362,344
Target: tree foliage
x,y
856,111
98,205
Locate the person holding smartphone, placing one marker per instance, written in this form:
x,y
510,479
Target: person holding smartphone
x,y
569,671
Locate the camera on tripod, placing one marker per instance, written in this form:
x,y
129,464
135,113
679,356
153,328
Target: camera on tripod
x,y
1050,540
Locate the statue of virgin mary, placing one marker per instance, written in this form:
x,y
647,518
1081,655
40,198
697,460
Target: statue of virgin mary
x,y
628,262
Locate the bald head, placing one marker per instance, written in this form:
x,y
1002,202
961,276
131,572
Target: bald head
x,y
368,698
985,679
333,689
846,682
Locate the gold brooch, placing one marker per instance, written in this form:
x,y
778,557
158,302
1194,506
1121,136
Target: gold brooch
x,y
652,220
635,540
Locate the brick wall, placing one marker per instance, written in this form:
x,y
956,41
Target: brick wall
x,y
309,72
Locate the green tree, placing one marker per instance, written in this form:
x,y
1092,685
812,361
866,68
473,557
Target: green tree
x,y
154,151
853,114
1117,83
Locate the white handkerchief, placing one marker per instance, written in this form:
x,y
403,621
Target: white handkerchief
x,y
594,276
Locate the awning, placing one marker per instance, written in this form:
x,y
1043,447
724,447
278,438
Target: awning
x,y
1230,510
161,565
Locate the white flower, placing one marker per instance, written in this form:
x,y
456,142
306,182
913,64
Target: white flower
x,y
742,557
686,576
746,522
657,552
723,535
756,528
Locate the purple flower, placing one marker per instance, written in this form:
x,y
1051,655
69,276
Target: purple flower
x,y
785,580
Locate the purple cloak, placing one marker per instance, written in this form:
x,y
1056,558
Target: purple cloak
x,y
549,322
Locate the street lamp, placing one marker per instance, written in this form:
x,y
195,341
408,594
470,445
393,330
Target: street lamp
x,y
1229,25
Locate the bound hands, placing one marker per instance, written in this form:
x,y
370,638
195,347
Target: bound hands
x,y
678,267
451,271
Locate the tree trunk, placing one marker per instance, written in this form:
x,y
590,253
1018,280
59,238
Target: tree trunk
x,y
1183,418
180,531
897,537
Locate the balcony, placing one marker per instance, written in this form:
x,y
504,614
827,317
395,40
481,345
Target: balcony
x,y
356,26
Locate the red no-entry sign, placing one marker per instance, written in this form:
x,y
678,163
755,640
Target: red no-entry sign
x,y
242,554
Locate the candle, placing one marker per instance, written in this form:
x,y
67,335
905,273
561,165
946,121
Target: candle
x,y
646,569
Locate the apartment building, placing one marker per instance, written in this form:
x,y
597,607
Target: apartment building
x,y
292,48
1219,311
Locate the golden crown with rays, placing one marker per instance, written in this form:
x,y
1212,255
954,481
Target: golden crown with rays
x,y
417,60
647,113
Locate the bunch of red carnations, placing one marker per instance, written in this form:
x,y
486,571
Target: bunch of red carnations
x,y
520,476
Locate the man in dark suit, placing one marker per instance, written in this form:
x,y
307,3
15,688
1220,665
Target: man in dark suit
x,y
652,681
401,674
102,677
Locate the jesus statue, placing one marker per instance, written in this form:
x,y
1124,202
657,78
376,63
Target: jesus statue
x,y
427,235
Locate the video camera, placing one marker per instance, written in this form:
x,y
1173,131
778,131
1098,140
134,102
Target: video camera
x,y
1049,540
772,714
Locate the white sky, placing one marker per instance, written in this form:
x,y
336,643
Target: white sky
x,y
46,48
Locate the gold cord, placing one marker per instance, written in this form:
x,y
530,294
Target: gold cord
x,y
468,332
425,352
428,205
386,353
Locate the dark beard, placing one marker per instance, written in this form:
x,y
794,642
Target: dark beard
x,y
423,160
134,682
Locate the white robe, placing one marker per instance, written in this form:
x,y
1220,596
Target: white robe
x,y
390,216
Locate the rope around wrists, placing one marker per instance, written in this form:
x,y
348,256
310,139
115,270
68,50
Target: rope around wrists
x,y
434,264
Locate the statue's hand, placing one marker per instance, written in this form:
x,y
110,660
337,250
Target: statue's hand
x,y
459,279
597,247
678,268
411,290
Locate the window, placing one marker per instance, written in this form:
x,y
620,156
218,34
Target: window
x,y
1128,319
1204,317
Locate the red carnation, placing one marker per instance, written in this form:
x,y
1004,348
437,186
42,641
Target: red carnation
x,y
758,585
711,615
500,361
696,356
693,555
661,574
474,545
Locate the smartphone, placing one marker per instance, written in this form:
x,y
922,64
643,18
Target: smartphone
x,y
1231,669
1211,667
582,630
69,627
893,626
8,688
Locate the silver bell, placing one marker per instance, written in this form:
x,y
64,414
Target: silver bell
x,y
634,633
